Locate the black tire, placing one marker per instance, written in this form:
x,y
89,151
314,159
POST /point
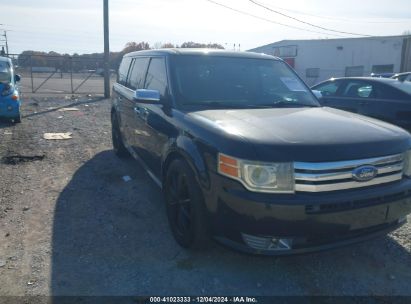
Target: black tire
x,y
185,206
17,119
118,145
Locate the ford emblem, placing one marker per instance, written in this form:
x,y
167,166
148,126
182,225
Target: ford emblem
x,y
364,173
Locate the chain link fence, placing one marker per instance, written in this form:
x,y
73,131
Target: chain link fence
x,y
60,74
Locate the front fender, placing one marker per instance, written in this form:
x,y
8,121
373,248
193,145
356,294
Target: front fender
x,y
194,153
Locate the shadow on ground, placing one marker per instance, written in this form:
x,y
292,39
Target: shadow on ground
x,y
111,237
6,123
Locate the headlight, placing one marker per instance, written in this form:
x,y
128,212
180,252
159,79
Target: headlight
x,y
257,176
407,163
7,90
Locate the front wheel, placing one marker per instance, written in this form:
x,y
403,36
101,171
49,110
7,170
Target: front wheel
x,y
185,206
118,144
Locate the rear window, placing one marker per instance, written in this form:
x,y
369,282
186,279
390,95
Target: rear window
x,y
403,86
123,70
5,72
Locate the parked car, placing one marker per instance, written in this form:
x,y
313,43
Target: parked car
x,y
402,76
245,153
382,98
10,102
382,75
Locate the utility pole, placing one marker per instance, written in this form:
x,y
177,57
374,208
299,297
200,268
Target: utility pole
x,y
106,52
6,43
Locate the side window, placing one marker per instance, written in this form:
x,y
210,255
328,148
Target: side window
x,y
137,73
359,89
157,76
329,88
387,92
123,70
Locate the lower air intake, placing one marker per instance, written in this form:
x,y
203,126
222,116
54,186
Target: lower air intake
x,y
267,243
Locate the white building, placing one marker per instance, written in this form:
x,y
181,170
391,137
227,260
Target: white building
x,y
318,60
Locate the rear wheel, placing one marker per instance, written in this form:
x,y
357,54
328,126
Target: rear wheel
x,y
185,206
118,144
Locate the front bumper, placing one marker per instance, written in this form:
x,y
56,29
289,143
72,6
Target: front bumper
x,y
307,221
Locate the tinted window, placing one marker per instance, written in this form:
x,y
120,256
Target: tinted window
x,y
403,86
237,82
157,76
123,70
329,88
358,89
5,72
388,92
138,73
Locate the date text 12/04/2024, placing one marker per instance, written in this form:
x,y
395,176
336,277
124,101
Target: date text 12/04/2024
x,y
203,300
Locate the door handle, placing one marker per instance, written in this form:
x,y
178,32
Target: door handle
x,y
137,110
363,103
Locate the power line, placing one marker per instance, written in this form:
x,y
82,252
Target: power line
x,y
271,21
310,24
336,18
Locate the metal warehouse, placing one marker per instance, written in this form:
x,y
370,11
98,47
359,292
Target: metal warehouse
x,y
317,60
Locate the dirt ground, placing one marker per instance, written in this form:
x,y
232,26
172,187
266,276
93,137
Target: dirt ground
x,y
70,225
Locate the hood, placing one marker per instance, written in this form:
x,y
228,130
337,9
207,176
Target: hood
x,y
308,134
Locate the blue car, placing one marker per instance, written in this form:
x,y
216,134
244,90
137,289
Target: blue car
x,y
381,98
10,102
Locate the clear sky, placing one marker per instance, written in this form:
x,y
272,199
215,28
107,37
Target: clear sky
x,y
77,25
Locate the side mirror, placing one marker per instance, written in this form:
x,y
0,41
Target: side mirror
x,y
317,94
17,78
147,96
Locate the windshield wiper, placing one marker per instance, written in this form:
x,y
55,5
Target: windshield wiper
x,y
216,104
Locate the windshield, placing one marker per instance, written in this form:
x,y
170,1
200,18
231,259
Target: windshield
x,y
5,72
237,82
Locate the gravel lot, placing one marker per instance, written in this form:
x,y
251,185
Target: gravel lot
x,y
70,225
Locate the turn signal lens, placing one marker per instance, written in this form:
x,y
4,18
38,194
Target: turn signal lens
x,y
15,97
228,166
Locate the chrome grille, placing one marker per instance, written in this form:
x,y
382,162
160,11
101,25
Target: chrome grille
x,y
332,176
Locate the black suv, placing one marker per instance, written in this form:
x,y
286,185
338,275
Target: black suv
x,y
245,154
